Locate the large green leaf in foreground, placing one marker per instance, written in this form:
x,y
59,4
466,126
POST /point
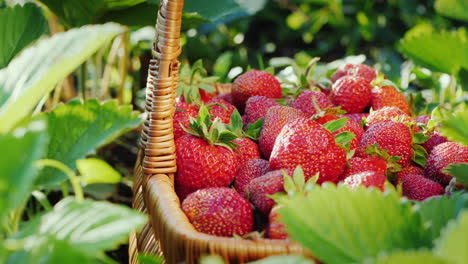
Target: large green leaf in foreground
x,y
36,71
339,225
453,244
19,26
457,9
76,129
413,257
20,149
74,232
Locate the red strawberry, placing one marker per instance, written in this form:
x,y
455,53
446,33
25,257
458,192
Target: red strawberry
x,y
441,156
182,117
225,96
394,137
350,126
305,102
352,93
383,96
275,119
219,211
367,179
417,187
360,70
387,114
222,109
303,142
408,170
257,106
276,229
258,189
247,149
358,165
204,97
251,169
254,82
434,140
357,117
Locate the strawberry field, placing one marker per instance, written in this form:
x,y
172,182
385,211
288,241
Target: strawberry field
x,y
315,131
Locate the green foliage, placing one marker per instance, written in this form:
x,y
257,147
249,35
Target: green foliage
x,y
93,125
453,125
94,170
457,9
19,26
22,147
459,171
335,125
453,244
34,73
74,231
326,221
290,259
413,257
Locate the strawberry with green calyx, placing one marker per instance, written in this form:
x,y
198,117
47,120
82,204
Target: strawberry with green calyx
x,y
221,109
304,142
352,93
390,114
219,211
248,171
339,126
194,87
367,178
312,102
417,187
441,157
358,118
182,115
206,157
257,106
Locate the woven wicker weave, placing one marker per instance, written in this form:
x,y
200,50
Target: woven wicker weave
x,y
169,232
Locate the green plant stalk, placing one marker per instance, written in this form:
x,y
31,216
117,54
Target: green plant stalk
x,y
97,71
74,179
15,217
83,70
123,65
108,68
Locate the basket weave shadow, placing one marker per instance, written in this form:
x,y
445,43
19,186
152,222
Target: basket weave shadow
x,y
169,233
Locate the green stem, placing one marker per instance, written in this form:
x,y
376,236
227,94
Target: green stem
x,y
74,179
16,217
83,71
123,65
64,187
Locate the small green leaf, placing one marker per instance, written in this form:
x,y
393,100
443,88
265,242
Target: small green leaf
x,y
253,130
413,257
344,137
453,244
94,170
459,171
454,126
206,87
457,9
227,136
235,124
289,185
419,155
87,126
419,138
223,64
286,259
334,125
149,259
299,178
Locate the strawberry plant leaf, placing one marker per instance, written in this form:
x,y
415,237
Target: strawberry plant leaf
x,y
419,138
454,126
344,137
19,26
334,125
86,126
235,123
453,243
286,259
36,71
24,146
419,155
459,171
253,130
457,9
436,213
413,257
325,222
94,170
89,227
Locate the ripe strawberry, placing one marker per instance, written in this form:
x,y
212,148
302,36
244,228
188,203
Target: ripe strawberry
x,y
357,117
247,149
434,139
221,108
383,96
305,102
417,187
182,117
408,170
350,126
251,169
257,106
358,165
225,96
367,179
352,93
303,142
360,70
388,114
394,137
276,229
254,82
441,156
275,119
258,189
219,211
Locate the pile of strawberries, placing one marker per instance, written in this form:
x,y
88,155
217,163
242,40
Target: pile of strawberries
x,y
234,150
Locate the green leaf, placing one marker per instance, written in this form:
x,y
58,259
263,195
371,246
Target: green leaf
x,y
94,170
22,147
454,126
413,257
77,129
253,130
419,138
457,9
286,259
236,124
419,155
19,26
223,64
88,227
436,213
344,137
339,225
334,125
149,259
36,71
212,259
453,244
459,171
440,51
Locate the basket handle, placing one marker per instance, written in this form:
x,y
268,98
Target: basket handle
x,y
157,138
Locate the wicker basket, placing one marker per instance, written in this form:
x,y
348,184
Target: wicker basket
x,y
169,233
